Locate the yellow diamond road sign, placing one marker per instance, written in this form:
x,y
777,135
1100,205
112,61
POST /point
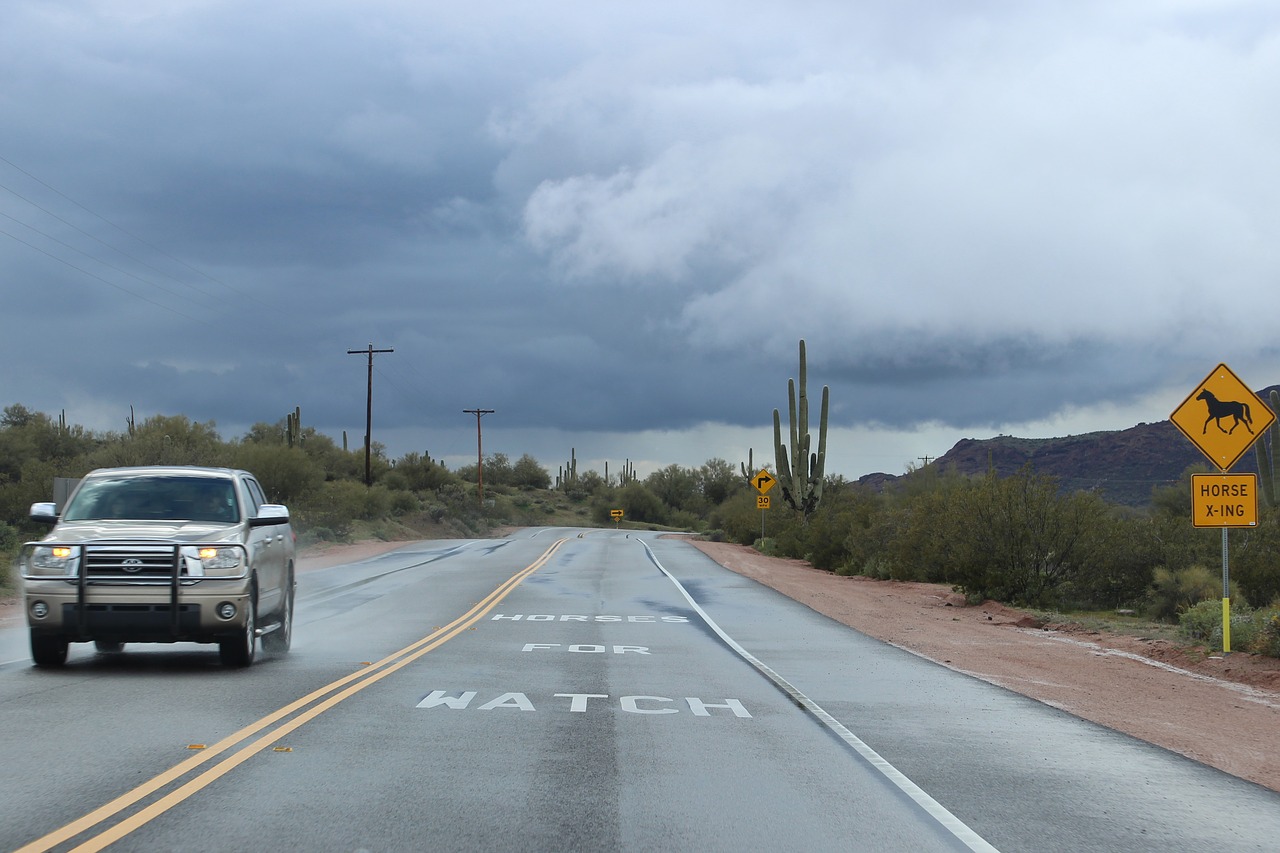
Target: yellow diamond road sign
x,y
763,482
1223,417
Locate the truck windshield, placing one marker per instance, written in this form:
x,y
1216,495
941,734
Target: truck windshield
x,y
209,499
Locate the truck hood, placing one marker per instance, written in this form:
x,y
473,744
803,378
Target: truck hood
x,y
184,532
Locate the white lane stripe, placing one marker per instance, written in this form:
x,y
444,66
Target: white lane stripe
x,y
936,810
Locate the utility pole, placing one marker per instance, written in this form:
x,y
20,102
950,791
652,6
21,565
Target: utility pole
x,y
479,413
368,411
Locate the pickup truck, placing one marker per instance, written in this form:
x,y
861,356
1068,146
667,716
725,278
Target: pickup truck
x,y
161,555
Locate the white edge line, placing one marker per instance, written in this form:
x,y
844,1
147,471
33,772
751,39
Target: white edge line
x,y
936,810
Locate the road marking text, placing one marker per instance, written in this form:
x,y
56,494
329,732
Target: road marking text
x,y
578,703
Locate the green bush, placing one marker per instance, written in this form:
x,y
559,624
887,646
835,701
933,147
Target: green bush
x,y
404,503
1202,622
1266,640
1172,592
878,568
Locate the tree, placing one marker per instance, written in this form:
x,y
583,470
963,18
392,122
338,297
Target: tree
x,y
166,440
528,474
1025,538
717,480
421,473
286,473
637,503
676,487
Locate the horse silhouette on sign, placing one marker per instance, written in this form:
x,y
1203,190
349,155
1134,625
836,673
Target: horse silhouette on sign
x,y
1219,409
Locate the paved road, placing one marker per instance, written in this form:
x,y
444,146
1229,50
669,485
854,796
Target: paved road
x,y
575,690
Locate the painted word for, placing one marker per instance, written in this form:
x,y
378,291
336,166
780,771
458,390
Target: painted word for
x,y
578,703
588,648
547,617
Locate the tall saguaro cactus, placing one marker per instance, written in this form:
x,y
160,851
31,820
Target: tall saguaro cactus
x,y
800,471
1267,446
293,427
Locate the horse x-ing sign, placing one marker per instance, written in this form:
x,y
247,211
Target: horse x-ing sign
x,y
1223,417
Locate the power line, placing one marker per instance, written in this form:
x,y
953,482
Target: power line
x,y
126,232
99,278
101,261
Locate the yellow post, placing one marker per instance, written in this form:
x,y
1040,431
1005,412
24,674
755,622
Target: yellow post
x,y
1226,625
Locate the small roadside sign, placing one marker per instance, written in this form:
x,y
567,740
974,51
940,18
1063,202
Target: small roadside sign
x,y
1224,500
1222,417
764,481
762,501
615,514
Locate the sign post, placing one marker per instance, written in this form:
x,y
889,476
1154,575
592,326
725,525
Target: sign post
x,y
1223,418
764,481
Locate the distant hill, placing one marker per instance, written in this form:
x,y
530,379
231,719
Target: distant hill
x,y
1121,465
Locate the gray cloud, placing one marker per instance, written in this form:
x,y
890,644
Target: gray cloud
x,y
619,221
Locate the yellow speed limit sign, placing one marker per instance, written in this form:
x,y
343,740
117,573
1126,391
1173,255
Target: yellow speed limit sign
x,y
762,501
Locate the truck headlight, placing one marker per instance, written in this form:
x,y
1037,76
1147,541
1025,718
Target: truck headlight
x,y
219,558
54,560
207,560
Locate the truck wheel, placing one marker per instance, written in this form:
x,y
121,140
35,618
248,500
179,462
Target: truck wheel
x,y
47,651
279,640
238,650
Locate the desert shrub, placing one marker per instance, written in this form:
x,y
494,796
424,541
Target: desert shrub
x,y
685,520
1202,622
1253,559
1266,640
403,503
877,568
338,503
1175,591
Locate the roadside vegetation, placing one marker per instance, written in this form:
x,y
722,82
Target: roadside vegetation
x,y
1016,539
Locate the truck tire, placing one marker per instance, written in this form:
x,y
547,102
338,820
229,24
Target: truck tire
x,y
279,640
238,650
47,651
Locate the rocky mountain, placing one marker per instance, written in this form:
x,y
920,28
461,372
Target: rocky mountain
x,y
1121,465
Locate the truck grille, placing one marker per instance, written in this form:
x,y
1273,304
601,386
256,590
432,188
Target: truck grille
x,y
130,562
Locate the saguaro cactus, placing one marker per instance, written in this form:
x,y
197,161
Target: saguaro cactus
x,y
1267,446
293,427
800,471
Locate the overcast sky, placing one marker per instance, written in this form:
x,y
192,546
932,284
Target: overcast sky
x,y
612,223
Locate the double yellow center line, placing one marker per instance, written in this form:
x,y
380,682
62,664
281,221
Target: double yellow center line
x,y
319,701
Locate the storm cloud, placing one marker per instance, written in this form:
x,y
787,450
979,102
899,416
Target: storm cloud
x,y
613,225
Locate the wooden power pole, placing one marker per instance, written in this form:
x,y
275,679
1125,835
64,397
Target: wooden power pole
x,y
479,413
368,411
